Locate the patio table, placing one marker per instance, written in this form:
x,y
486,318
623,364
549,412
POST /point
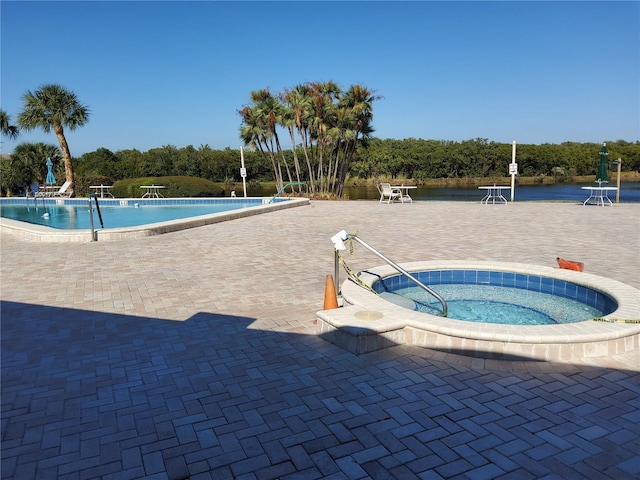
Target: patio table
x,y
599,195
494,192
153,191
404,192
103,189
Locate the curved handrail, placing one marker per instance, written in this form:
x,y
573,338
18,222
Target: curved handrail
x,y
402,271
290,184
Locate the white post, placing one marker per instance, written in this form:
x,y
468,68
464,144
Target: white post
x,y
513,170
243,173
618,180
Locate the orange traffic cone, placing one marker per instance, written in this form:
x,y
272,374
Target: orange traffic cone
x,y
330,297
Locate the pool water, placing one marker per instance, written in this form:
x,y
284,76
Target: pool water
x,y
76,216
490,296
502,305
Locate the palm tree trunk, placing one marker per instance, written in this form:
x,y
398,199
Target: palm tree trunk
x,y
312,178
296,163
66,154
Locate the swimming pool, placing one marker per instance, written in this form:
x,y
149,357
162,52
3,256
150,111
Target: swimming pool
x,y
491,296
368,322
68,220
71,216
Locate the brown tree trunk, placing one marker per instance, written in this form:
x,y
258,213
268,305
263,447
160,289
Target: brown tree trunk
x,y
66,155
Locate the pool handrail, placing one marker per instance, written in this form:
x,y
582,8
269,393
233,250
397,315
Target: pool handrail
x,y
95,199
290,184
350,236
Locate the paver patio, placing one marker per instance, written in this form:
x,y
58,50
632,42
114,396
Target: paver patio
x,y
194,355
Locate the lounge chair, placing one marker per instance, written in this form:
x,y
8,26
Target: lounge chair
x,y
391,194
65,190
36,190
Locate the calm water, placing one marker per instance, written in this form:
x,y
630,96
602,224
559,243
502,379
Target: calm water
x,y
504,305
67,217
629,192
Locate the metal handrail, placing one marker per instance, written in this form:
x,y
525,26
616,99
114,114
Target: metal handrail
x,y
402,271
95,199
290,184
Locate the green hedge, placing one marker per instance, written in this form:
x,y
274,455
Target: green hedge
x,y
175,187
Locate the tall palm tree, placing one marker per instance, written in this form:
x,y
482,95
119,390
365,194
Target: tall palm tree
x,y
54,107
6,128
296,103
259,129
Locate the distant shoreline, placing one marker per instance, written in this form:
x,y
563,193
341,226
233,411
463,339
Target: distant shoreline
x,y
470,182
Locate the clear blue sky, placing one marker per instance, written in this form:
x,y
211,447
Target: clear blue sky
x,y
176,73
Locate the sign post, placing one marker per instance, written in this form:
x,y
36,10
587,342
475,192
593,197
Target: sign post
x,y
619,165
513,170
243,173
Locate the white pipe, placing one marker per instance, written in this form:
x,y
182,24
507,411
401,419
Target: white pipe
x,y
243,173
513,175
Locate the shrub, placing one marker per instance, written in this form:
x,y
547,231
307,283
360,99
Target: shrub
x,y
175,187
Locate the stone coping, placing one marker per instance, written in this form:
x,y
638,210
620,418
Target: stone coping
x,y
367,314
41,233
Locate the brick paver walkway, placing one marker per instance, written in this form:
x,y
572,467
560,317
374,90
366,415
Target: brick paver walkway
x,y
193,355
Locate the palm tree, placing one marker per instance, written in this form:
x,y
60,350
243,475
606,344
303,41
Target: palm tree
x,y
6,128
296,104
260,122
54,107
33,158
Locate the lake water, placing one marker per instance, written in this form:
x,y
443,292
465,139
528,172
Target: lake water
x,y
629,192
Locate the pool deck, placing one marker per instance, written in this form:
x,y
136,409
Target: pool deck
x,y
194,354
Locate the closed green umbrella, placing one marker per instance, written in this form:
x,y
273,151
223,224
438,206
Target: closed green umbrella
x,y
602,175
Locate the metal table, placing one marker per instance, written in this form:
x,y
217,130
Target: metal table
x,y
599,195
494,192
153,191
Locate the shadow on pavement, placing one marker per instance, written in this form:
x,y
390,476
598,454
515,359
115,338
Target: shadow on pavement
x,y
97,395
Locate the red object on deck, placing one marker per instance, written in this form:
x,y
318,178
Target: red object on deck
x,y
570,264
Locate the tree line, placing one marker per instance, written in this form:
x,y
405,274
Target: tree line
x,y
410,159
330,140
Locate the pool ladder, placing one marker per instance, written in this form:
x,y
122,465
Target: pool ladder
x,y
94,237
290,184
348,236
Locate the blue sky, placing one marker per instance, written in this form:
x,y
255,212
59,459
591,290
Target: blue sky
x,y
176,73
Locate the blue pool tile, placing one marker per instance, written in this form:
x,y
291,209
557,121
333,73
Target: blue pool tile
x,y
483,277
582,294
424,277
533,283
508,279
521,280
546,285
496,278
470,276
559,287
446,276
